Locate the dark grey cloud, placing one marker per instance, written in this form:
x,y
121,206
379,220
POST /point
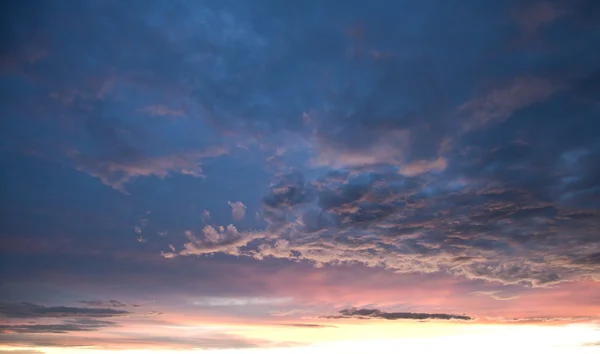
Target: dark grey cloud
x,y
375,313
100,303
29,310
79,325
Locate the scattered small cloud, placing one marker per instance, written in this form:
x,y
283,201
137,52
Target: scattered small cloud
x,y
238,210
206,215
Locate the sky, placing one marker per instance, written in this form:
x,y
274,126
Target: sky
x,y
287,177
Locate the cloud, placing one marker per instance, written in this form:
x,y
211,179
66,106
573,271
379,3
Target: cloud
x,y
238,210
205,215
419,167
496,295
374,313
207,341
305,325
79,325
116,172
501,103
388,148
514,203
461,223
20,351
100,303
29,310
218,239
538,14
161,110
240,301
591,344
549,319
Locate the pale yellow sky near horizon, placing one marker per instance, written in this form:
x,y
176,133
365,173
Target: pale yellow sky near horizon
x,y
464,339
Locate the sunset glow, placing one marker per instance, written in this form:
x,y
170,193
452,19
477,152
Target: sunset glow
x,y
291,177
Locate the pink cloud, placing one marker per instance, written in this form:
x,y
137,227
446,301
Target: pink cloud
x,y
162,110
116,173
390,148
238,210
502,102
423,166
533,16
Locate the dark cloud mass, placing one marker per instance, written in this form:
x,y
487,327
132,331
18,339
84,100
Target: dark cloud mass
x,y
29,310
375,313
81,325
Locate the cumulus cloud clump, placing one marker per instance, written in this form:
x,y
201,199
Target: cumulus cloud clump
x,y
238,210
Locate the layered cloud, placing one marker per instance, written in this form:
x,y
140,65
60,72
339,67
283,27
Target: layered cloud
x,y
29,310
502,102
375,313
477,226
117,171
78,325
434,159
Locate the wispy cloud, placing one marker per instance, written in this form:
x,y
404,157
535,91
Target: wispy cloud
x,y
241,301
118,171
535,15
496,295
100,303
161,110
591,344
502,102
375,313
422,166
29,310
306,325
79,325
